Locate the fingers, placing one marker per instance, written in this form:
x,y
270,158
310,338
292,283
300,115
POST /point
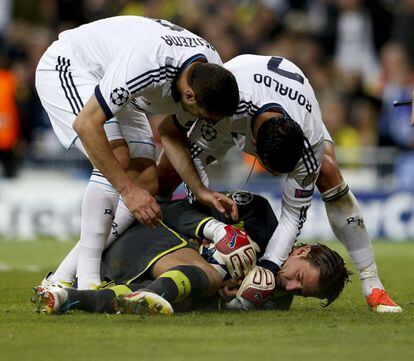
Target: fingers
x,y
230,207
234,212
156,209
146,210
229,292
147,218
153,214
217,205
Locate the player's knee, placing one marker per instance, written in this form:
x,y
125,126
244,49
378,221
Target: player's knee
x,y
214,279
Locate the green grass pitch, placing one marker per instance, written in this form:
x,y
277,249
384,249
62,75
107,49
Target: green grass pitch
x,y
347,330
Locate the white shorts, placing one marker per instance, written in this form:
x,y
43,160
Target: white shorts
x,y
65,82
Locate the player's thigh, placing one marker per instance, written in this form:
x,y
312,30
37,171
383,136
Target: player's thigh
x,y
143,172
330,174
168,178
116,141
138,135
188,256
64,86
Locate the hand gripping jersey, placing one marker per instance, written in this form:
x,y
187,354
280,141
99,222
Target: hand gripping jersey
x,y
269,83
129,62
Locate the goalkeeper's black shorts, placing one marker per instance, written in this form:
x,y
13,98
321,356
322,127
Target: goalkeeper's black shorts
x,y
129,258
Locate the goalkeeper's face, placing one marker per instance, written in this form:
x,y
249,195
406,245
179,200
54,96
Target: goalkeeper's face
x,y
297,276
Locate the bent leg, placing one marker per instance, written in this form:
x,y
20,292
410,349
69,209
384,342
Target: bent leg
x,y
168,177
346,220
98,211
184,273
143,173
98,301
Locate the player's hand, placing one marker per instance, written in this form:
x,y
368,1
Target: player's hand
x,y
143,205
229,289
218,201
237,251
256,288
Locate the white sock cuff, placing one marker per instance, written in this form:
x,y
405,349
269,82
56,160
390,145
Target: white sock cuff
x,y
363,258
335,193
370,272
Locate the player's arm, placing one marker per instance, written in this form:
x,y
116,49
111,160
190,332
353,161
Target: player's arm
x,y
296,200
89,125
175,146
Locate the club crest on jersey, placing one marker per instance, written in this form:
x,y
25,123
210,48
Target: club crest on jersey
x,y
242,198
119,96
208,132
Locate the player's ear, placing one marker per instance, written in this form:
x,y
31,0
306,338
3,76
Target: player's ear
x,y
304,251
189,95
301,251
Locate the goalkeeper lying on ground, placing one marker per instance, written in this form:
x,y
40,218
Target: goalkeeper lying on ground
x,y
148,269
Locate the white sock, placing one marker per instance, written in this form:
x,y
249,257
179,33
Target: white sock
x,y
98,210
123,219
214,230
348,226
67,269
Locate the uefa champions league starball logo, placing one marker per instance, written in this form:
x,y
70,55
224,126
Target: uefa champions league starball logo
x,y
119,96
208,132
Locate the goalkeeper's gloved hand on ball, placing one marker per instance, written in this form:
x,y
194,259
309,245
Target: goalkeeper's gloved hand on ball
x,y
256,288
237,251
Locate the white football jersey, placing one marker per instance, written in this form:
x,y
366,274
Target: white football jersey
x,y
269,83
136,60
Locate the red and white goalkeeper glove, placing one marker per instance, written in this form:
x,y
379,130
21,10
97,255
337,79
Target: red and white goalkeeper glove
x,y
256,288
237,251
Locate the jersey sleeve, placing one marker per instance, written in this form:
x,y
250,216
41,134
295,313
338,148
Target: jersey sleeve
x,y
296,200
128,76
207,143
210,141
184,121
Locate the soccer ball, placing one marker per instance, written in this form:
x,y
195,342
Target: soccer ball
x,y
210,254
119,96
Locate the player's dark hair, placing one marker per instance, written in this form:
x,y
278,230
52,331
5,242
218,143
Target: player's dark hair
x,y
333,274
215,88
280,144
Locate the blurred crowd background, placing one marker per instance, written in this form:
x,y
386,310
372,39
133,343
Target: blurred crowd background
x,y
358,55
